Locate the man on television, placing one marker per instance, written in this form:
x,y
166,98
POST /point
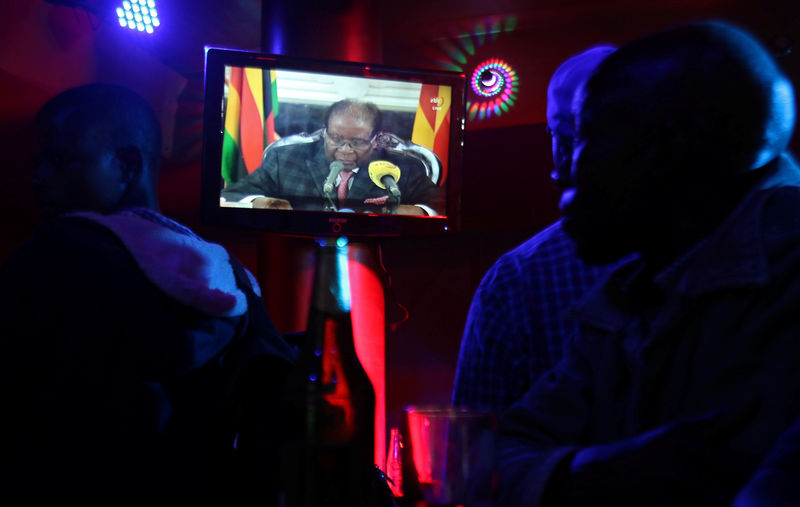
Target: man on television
x,y
341,170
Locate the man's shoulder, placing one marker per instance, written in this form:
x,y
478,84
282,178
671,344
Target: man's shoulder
x,y
542,248
75,259
763,231
781,196
549,244
782,210
295,148
69,234
780,223
547,259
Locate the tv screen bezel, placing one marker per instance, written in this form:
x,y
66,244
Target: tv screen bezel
x,y
308,223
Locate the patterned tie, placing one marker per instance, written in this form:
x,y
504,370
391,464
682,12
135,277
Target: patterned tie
x,y
341,190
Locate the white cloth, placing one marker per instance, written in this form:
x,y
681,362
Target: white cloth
x,y
183,265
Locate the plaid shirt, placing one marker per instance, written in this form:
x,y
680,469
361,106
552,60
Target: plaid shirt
x,y
514,331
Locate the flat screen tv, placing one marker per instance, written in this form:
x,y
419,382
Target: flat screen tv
x,y
282,136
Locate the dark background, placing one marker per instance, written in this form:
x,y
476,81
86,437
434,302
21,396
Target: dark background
x,y
46,47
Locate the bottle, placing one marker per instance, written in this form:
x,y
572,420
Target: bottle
x,y
328,458
394,463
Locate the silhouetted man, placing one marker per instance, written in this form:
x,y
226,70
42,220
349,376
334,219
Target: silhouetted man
x,y
687,364
515,329
126,338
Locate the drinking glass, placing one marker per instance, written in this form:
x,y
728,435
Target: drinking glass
x,y
449,456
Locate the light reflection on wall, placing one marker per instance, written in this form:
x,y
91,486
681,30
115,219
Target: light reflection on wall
x,y
495,84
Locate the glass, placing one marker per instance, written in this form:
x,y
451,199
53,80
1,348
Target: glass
x,y
449,456
338,141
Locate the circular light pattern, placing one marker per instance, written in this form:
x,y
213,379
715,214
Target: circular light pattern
x,y
496,81
140,15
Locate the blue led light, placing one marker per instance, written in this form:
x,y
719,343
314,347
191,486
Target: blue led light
x,y
140,15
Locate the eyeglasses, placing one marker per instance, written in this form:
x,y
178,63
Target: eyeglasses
x,y
338,141
565,142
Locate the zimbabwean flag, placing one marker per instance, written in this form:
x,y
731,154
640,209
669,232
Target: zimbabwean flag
x,y
249,120
432,122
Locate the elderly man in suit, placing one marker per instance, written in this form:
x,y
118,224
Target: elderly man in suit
x,y
292,176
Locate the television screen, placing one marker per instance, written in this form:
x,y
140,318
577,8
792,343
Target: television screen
x,y
316,147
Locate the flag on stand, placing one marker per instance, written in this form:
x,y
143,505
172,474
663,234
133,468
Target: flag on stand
x,y
432,122
249,120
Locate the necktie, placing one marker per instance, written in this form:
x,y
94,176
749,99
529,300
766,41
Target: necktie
x,y
341,190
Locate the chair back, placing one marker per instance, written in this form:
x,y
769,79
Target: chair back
x,y
384,140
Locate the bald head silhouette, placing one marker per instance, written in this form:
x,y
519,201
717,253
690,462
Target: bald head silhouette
x,y
564,83
99,148
711,82
672,130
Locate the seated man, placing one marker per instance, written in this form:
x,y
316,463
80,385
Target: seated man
x,y
127,339
687,364
293,176
515,330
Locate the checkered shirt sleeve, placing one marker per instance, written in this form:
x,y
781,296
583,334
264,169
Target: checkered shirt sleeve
x,y
514,330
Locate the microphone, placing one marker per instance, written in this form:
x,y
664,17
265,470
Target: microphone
x,y
335,168
385,175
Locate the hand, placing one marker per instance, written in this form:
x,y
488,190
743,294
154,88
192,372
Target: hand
x,y
271,203
690,459
410,209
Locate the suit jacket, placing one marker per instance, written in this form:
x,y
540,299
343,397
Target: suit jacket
x,y
296,173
